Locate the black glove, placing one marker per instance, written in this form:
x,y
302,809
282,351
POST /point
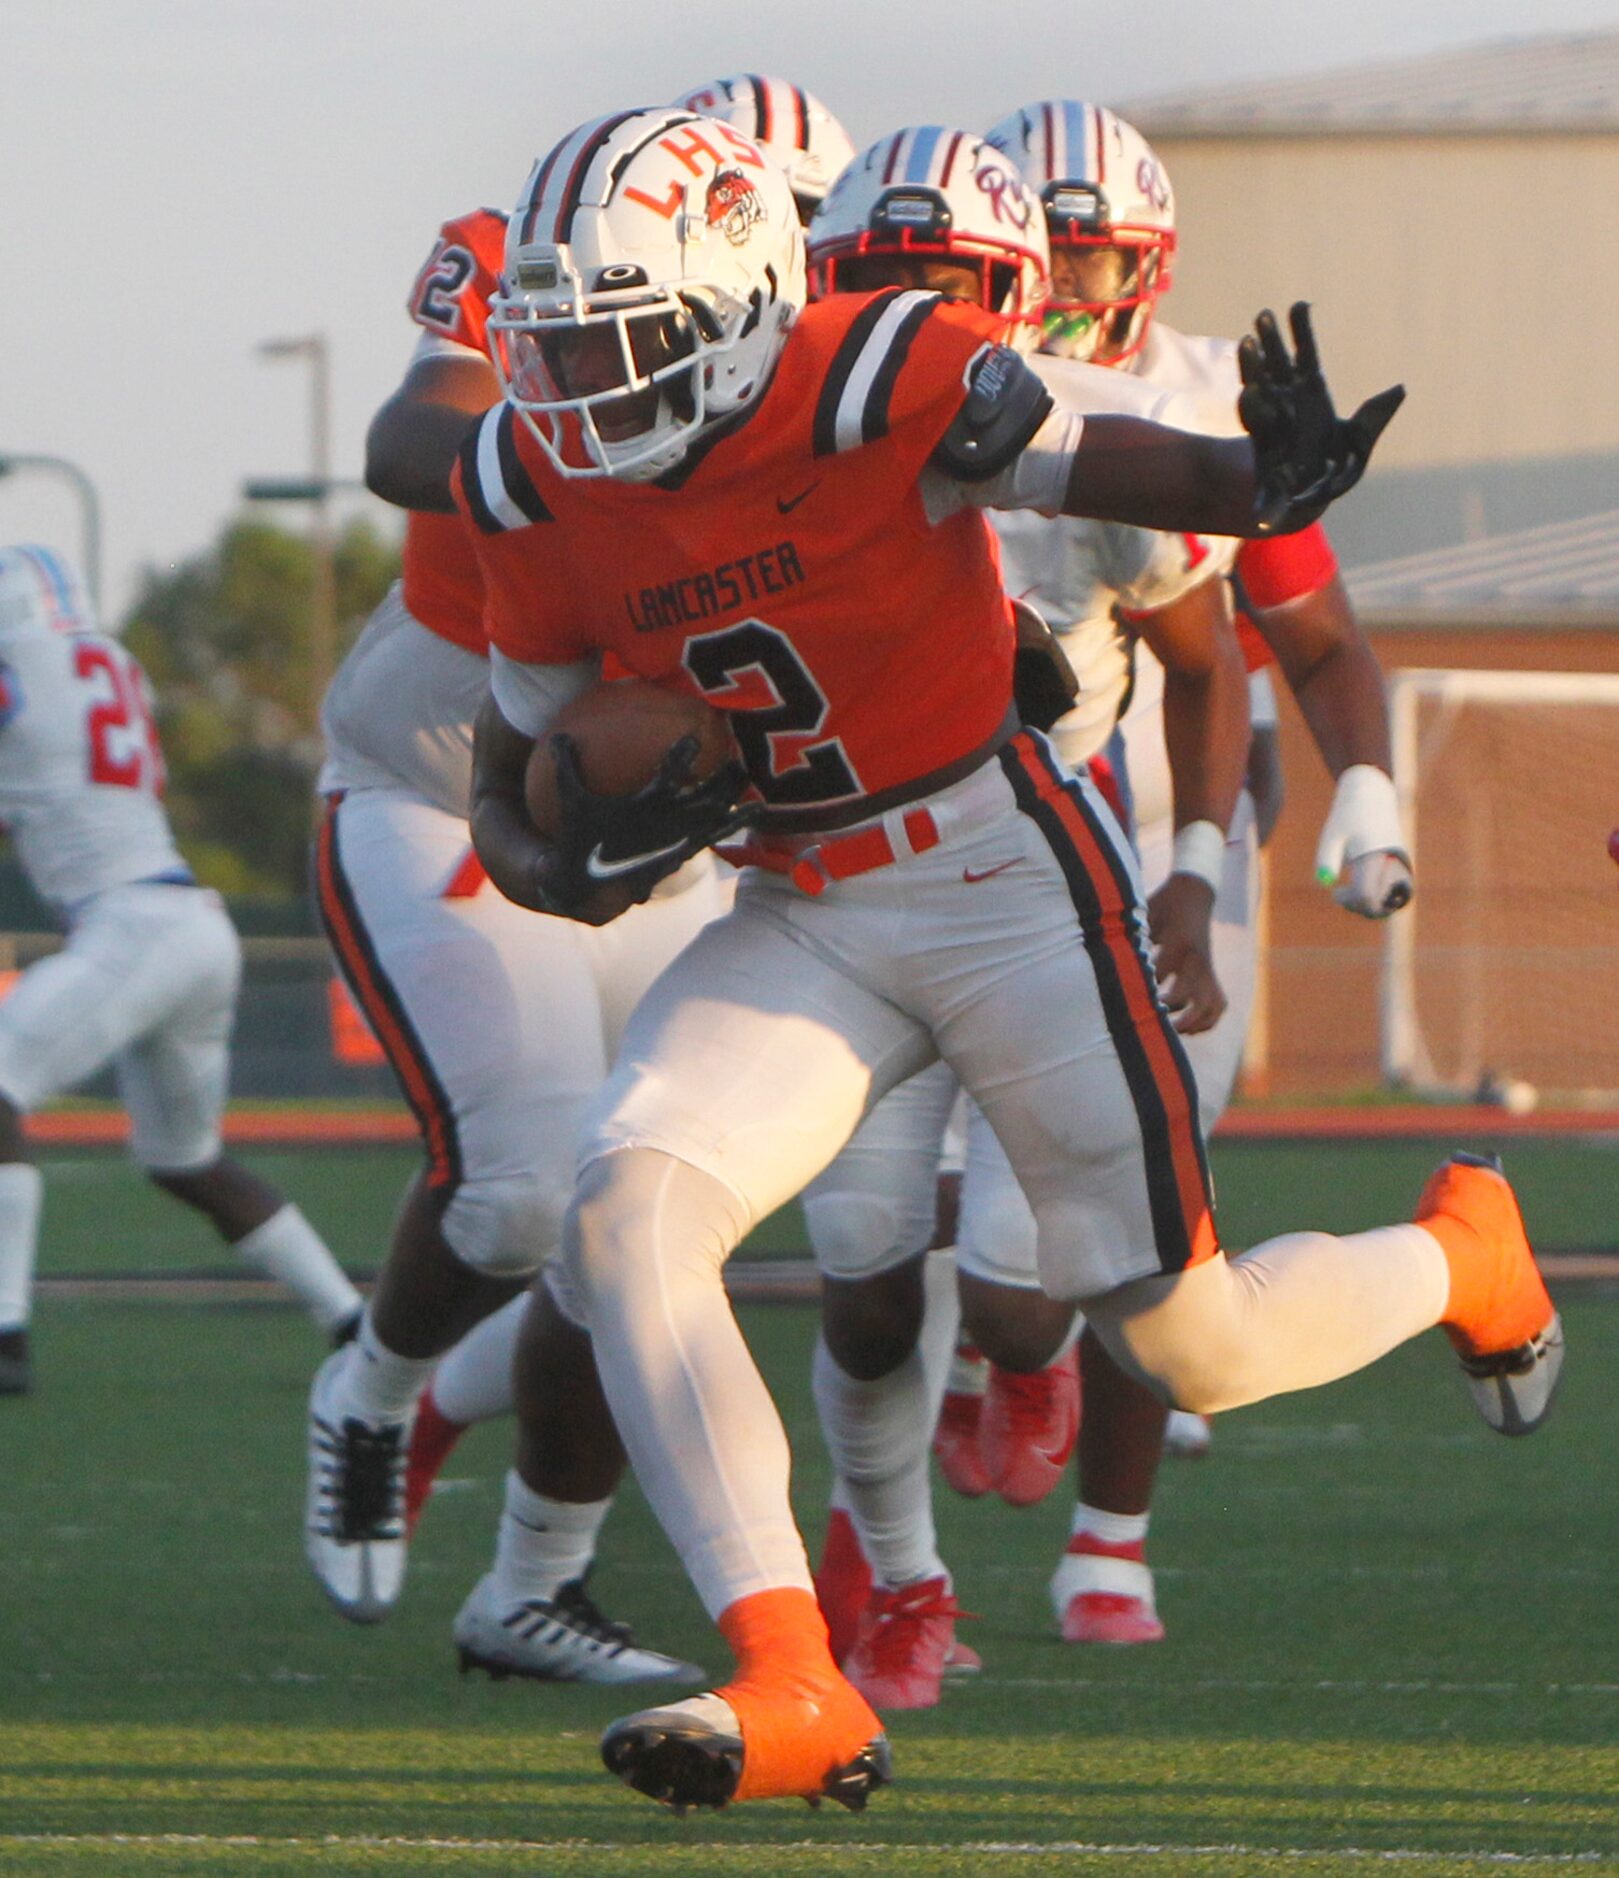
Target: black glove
x,y
1305,454
635,841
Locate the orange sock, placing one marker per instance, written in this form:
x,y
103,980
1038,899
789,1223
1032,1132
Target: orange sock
x,y
798,1716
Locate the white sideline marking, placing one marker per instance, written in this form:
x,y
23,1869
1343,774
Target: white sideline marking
x,y
983,1848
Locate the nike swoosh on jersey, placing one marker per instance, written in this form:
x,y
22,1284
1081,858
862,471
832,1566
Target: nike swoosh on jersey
x,y
969,875
786,507
600,869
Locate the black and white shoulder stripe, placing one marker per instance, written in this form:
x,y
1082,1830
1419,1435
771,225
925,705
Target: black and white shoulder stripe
x,y
853,405
500,492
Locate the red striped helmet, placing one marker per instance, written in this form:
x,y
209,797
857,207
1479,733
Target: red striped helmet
x,y
937,194
1110,213
787,122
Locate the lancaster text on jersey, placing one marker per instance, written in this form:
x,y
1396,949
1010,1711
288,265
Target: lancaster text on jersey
x,y
700,596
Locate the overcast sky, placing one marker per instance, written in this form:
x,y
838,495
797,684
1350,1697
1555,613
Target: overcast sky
x,y
180,179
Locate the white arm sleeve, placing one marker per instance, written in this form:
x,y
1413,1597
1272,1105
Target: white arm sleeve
x,y
529,696
1037,478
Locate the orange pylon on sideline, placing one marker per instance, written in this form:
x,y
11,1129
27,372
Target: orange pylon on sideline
x,y
354,1042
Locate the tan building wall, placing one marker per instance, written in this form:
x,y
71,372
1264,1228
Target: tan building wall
x,y
1324,967
1479,269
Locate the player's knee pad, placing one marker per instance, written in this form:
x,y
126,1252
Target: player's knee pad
x,y
507,1225
639,1216
857,1235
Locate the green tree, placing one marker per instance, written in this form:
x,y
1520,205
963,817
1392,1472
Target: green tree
x,y
225,638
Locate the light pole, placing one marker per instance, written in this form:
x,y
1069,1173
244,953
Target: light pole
x,y
89,504
317,492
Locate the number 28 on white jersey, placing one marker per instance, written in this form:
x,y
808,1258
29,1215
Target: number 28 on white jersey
x,y
81,769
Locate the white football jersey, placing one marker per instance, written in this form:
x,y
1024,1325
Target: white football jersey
x,y
1077,572
400,711
81,770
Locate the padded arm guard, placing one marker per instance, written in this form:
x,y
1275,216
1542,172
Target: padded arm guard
x,y
1005,405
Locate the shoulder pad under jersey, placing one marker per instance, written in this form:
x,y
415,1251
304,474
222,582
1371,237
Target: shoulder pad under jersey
x,y
1005,405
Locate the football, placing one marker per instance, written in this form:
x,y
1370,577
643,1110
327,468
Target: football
x,y
623,729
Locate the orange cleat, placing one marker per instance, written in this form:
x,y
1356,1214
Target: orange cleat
x,y
842,1583
432,1441
788,1725
904,1645
1028,1429
1103,1593
1500,1317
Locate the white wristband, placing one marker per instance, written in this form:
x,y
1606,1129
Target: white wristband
x,y
1200,849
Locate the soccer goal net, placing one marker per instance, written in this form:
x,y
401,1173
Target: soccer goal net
x,y
1504,974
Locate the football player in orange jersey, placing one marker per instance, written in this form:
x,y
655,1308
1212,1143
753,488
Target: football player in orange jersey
x,y
410,446
796,130
777,508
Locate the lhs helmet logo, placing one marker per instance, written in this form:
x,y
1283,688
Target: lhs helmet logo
x,y
733,205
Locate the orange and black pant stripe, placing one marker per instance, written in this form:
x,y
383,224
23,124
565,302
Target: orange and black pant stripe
x,y
1154,1064
378,996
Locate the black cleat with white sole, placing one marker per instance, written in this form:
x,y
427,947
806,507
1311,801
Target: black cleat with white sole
x,y
354,1520
563,1638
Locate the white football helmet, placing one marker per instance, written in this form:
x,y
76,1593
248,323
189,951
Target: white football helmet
x,y
654,266
937,194
1105,193
788,123
40,591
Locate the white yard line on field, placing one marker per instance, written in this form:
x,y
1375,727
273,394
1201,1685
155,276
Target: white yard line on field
x,y
981,1848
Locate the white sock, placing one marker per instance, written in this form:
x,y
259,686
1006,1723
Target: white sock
x,y
1111,1528
21,1191
474,1379
375,1384
879,1434
289,1249
941,1320
543,1543
1294,1312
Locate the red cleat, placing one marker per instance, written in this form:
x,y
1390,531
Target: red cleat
x,y
905,1644
842,1583
963,1659
432,1441
1102,1593
955,1445
1028,1429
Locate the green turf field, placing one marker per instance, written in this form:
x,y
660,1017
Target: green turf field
x,y
100,1216
1392,1638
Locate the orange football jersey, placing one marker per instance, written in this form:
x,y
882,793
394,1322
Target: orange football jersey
x,y
787,571
442,586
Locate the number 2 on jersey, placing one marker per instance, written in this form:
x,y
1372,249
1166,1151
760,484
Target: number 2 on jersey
x,y
124,750
777,713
